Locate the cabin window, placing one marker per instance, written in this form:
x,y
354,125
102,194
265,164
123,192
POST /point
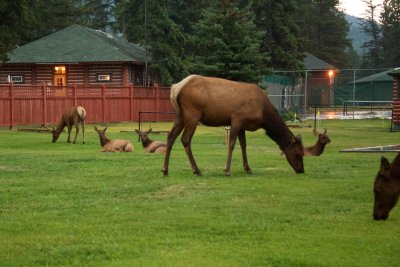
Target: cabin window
x,y
60,70
15,79
104,77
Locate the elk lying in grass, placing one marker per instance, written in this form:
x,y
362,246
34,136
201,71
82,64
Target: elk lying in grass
x,y
319,147
117,145
71,117
219,102
386,188
149,145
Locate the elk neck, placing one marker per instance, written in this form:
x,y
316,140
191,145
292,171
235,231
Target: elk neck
x,y
104,140
146,142
276,128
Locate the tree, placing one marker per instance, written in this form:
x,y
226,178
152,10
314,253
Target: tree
x,y
373,57
226,44
149,23
281,40
390,18
96,14
325,30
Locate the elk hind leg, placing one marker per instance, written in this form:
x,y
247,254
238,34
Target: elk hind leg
x,y
186,140
83,130
76,131
172,135
69,126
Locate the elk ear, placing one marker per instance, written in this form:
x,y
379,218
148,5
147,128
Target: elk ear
x,y
385,167
136,130
54,129
95,128
325,131
298,138
149,131
105,128
315,131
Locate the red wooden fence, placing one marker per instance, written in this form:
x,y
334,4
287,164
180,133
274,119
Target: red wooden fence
x,y
43,104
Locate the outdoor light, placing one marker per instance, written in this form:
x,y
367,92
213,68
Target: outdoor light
x,y
330,73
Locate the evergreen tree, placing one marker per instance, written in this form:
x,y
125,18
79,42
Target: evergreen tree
x,y
369,25
282,39
149,23
227,44
325,30
96,14
390,18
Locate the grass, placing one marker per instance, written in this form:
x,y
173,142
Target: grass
x,y
70,205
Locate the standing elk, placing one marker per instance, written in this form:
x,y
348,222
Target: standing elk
x,y
219,102
386,188
71,117
318,148
117,145
149,145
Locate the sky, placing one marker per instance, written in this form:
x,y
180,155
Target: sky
x,y
356,7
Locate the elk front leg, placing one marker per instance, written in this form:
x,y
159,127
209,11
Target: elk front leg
x,y
172,135
69,133
76,131
242,141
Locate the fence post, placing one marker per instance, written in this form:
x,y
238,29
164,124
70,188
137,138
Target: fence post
x,y
103,94
44,104
157,88
131,101
74,94
11,106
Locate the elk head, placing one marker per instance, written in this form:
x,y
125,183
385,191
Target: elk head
x,y
323,138
102,133
55,134
294,153
386,188
143,134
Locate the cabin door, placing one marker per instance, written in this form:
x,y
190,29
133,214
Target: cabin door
x,y
60,80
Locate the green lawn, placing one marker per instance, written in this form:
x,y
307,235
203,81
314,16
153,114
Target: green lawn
x,y
70,205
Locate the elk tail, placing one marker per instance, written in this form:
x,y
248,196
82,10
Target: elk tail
x,y
81,112
175,90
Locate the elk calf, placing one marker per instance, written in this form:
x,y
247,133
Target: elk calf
x,y
71,117
319,147
386,188
117,145
149,145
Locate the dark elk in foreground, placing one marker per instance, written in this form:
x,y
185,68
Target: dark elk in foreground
x,y
71,117
318,148
118,145
149,145
386,188
219,102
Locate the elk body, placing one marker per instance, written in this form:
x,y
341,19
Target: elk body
x,y
318,148
117,145
386,188
73,116
149,145
220,102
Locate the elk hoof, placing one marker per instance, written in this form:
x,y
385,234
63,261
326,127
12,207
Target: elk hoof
x,y
197,172
165,172
248,170
227,173
68,141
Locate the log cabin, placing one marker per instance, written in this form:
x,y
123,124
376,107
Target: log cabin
x,y
396,98
76,55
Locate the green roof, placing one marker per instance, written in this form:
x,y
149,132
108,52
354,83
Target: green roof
x,y
395,72
76,44
378,77
311,62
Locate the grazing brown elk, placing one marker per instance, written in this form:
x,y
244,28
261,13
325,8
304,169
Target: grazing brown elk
x,y
71,117
318,148
386,188
117,145
219,102
149,145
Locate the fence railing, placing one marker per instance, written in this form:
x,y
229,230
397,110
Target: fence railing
x,y
44,104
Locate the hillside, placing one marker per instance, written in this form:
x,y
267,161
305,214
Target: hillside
x,y
355,33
